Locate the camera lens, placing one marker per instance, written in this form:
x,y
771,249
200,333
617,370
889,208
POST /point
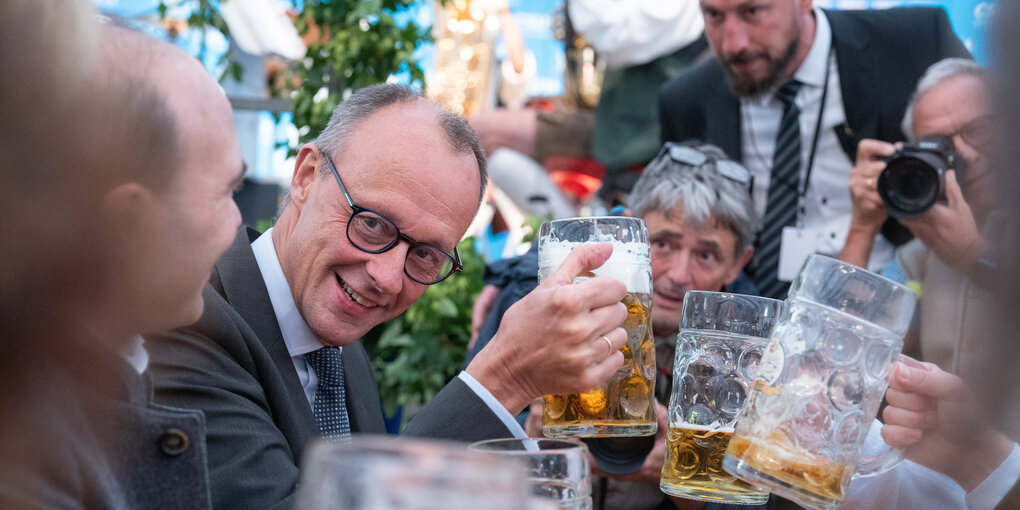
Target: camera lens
x,y
620,455
909,186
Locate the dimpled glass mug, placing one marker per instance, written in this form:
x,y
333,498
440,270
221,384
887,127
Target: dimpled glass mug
x,y
820,383
718,350
625,404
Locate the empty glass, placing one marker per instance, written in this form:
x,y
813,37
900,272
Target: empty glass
x,y
718,350
820,384
557,470
625,404
383,473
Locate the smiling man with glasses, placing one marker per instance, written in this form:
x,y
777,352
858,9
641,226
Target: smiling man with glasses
x,y
377,205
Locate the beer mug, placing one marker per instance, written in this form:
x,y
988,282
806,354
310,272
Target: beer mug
x,y
384,473
625,404
557,470
718,350
820,383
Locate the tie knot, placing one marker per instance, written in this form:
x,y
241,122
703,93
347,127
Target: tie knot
x,y
788,91
328,365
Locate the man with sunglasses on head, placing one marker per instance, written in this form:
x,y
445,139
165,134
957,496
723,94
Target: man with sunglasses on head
x,y
949,258
377,205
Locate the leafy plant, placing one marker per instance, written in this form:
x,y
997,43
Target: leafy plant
x,y
358,43
417,353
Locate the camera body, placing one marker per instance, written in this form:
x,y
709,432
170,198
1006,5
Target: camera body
x,y
914,178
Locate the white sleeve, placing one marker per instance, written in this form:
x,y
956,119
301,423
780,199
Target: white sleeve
x,y
494,405
907,486
632,32
990,492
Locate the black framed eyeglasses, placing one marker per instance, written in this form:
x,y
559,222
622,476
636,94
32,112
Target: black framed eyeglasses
x,y
372,232
690,156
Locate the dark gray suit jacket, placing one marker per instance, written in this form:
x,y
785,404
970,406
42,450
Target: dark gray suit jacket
x,y
880,55
233,365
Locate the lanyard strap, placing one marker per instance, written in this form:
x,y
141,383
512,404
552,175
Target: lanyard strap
x,y
802,191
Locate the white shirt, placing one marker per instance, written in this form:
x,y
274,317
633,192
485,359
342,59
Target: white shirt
x,y
912,486
135,354
826,204
300,340
630,32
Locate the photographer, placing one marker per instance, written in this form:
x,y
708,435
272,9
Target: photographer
x,y
942,189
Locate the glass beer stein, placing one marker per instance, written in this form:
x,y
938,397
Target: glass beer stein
x,y
557,470
623,405
820,384
718,350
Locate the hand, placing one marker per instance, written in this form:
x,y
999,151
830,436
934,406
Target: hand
x,y
868,211
651,470
950,231
935,417
533,425
551,341
483,304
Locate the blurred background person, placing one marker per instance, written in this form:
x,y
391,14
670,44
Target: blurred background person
x,y
143,137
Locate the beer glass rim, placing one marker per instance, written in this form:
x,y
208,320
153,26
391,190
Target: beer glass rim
x,y
530,446
892,317
579,218
762,320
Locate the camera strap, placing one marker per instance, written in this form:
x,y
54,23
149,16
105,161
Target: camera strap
x,y
803,185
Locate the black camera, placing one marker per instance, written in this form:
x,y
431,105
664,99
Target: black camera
x,y
620,455
915,176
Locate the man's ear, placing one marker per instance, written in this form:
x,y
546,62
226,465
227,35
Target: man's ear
x,y
125,213
742,261
306,173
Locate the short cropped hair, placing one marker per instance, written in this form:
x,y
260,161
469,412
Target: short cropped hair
x,y
703,191
937,73
366,101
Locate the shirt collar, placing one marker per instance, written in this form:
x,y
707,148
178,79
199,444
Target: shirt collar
x,y
812,70
296,335
135,354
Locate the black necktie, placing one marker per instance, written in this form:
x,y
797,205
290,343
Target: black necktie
x,y
329,404
781,208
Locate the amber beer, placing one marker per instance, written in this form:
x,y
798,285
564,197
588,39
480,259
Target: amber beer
x,y
793,466
624,405
693,467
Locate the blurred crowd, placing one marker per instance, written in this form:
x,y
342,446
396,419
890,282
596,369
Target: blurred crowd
x,y
158,354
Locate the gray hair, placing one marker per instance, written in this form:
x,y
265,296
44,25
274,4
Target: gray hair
x,y
366,101
937,73
703,191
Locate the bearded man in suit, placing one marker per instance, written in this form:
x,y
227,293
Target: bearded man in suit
x,y
847,76
377,204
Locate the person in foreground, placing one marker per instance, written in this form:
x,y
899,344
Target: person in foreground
x,y
377,204
149,136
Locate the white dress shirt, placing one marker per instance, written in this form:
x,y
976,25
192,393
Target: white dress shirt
x,y
911,486
300,340
135,354
630,32
826,206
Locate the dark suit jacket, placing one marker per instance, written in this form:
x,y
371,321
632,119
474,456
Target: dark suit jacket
x,y
233,364
880,55
87,435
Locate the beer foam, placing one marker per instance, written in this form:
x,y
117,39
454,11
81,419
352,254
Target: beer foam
x,y
714,427
629,263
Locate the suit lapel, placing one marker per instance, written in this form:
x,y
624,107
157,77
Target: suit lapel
x,y
363,405
723,121
857,77
246,292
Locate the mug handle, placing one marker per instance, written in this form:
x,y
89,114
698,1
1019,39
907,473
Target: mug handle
x,y
887,457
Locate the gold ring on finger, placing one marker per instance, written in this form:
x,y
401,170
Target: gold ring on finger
x,y
609,345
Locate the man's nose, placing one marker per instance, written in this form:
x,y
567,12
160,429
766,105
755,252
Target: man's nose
x,y
679,270
734,38
387,268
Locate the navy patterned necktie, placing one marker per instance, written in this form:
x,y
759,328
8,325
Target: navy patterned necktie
x,y
781,207
330,404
